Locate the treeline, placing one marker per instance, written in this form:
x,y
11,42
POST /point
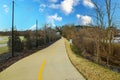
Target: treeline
x,y
8,33
97,42
87,42
30,39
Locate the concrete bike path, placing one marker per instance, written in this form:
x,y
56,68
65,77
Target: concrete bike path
x,y
51,63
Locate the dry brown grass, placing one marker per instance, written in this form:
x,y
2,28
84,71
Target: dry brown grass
x,y
89,69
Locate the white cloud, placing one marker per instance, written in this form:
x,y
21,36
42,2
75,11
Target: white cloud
x,y
52,18
84,20
66,6
42,7
53,1
6,8
88,3
76,2
78,16
54,6
33,27
55,17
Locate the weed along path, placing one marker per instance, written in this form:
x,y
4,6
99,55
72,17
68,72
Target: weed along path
x,y
51,63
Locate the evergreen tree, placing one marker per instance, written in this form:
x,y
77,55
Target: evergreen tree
x,y
18,45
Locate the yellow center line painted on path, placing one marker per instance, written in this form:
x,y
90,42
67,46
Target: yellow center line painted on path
x,y
41,70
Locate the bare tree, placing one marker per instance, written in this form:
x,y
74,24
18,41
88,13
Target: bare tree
x,y
45,33
110,14
36,33
99,27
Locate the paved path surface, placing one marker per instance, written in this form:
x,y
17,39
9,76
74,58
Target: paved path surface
x,y
51,63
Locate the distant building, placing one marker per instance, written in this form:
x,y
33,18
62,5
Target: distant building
x,y
116,38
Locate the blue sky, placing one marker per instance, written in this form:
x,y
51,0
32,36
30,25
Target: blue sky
x,y
54,12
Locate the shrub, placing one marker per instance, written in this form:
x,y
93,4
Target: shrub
x,y
18,44
28,40
75,49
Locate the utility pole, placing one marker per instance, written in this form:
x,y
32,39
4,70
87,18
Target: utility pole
x,y
45,34
13,28
36,33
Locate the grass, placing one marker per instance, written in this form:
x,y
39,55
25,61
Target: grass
x,y
21,37
74,49
4,40
3,49
90,70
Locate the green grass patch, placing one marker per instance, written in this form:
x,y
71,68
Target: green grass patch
x,y
4,39
90,70
75,49
3,49
22,37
